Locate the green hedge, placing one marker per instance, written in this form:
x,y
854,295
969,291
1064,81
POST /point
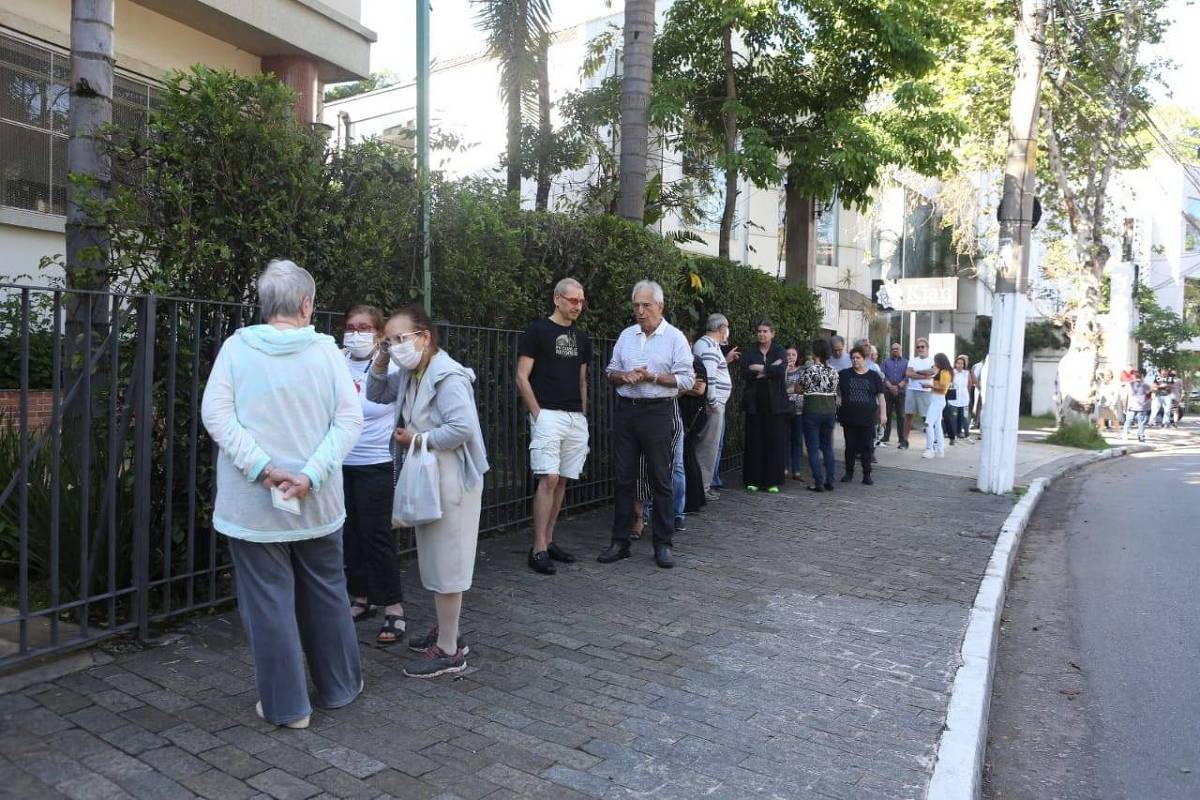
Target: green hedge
x,y
224,179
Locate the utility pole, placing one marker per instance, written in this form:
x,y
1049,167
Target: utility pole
x,y
1006,351
423,151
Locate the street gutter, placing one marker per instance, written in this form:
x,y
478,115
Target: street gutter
x,y
958,769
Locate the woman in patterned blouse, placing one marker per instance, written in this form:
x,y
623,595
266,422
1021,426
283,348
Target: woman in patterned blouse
x,y
819,385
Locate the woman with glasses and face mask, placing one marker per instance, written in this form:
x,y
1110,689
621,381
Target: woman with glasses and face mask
x,y
368,475
435,406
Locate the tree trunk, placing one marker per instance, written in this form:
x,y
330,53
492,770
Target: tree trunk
x,y
542,201
800,240
513,147
1078,369
729,118
90,111
635,107
87,243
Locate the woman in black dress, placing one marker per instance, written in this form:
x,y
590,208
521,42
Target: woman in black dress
x,y
861,391
766,406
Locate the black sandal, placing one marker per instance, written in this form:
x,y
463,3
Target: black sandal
x,y
368,611
391,632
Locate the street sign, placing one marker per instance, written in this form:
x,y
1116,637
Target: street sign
x,y
919,294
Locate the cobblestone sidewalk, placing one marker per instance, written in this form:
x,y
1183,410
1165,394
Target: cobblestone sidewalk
x,y
802,647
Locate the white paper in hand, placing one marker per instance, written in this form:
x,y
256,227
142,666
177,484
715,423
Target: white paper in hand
x,y
290,506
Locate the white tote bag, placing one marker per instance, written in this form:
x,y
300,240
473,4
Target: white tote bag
x,y
418,498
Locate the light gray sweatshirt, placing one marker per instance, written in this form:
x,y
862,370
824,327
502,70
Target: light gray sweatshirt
x,y
443,410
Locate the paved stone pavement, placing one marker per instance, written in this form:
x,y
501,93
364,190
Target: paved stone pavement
x,y
802,647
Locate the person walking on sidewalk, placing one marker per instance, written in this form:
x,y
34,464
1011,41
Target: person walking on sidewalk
x,y
651,363
791,382
819,385
939,387
839,359
368,479
435,399
920,371
1160,403
283,413
1137,405
862,406
720,386
765,403
895,384
552,378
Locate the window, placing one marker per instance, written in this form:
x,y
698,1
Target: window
x,y
1191,225
708,184
1191,301
827,225
34,108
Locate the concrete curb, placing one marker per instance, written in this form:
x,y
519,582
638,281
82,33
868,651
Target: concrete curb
x,y
958,769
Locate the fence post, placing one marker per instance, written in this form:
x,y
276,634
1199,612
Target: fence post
x,y
142,463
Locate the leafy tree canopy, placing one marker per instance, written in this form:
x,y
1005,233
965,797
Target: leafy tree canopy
x,y
376,80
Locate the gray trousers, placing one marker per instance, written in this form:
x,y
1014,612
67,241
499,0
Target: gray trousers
x,y
707,444
294,607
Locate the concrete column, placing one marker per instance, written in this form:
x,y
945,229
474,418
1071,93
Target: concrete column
x,y
300,74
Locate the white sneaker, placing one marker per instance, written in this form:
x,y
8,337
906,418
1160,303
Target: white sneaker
x,y
927,454
296,724
881,444
941,453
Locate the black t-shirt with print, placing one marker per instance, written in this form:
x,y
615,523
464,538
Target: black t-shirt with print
x,y
557,352
860,396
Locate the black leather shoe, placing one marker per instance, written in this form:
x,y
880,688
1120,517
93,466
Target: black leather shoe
x,y
829,487
558,554
615,552
663,557
849,476
540,562
867,481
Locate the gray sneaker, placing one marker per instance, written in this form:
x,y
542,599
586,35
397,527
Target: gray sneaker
x,y
430,640
434,662
712,494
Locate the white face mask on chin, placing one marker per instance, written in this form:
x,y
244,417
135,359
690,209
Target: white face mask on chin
x,y
359,344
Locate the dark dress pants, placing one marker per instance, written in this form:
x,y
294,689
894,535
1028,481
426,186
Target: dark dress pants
x,y
644,431
766,440
369,540
895,412
859,444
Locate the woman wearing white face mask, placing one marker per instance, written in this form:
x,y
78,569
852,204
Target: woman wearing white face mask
x,y
368,474
436,402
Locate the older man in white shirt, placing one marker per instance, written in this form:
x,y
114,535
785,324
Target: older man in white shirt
x,y
651,364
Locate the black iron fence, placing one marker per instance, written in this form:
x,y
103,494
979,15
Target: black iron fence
x,y
107,474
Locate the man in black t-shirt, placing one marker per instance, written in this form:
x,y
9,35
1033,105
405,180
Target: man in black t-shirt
x,y
552,365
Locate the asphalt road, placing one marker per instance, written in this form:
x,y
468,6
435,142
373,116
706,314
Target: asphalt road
x,y
1097,691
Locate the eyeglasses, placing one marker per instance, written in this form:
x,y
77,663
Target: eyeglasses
x,y
365,328
575,301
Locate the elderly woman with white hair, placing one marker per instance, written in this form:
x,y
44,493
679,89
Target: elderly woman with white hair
x,y
284,413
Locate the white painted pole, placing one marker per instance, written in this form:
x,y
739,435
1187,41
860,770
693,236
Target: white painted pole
x,y
1006,351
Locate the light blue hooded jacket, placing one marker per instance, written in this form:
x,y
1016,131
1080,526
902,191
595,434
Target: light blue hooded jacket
x,y
282,397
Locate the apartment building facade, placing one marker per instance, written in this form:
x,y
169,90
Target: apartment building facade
x,y
306,43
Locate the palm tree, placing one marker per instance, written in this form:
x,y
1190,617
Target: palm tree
x,y
515,31
635,107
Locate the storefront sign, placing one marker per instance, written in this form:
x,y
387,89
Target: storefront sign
x,y
919,294
829,300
